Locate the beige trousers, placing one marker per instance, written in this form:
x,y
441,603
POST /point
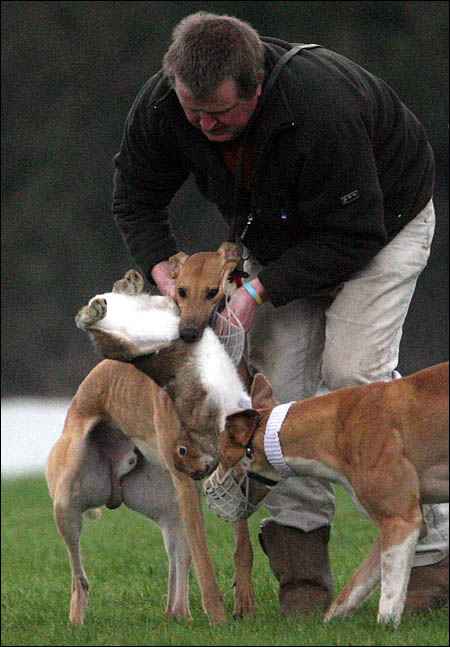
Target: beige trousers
x,y
324,344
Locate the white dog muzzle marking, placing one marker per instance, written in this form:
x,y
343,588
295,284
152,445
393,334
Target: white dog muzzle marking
x,y
272,447
228,497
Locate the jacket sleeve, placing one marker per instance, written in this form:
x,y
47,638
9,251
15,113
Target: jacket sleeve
x,y
148,173
340,207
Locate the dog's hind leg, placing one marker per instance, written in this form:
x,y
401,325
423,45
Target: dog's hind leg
x,y
179,564
68,518
399,539
359,588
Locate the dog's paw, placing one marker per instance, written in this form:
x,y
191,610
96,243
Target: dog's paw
x,y
91,314
132,283
244,603
179,613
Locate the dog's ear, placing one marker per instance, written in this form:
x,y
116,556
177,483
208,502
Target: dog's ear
x,y
261,393
241,425
231,252
176,263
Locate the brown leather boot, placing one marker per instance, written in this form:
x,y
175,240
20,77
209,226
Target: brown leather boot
x,y
300,562
428,587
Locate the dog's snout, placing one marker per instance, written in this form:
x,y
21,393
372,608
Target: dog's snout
x,y
189,334
207,469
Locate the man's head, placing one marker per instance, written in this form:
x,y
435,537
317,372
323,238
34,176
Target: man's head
x,y
216,66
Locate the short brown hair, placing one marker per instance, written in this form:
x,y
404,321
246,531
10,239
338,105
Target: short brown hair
x,y
208,49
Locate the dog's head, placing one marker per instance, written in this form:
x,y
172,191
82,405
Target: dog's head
x,y
190,449
199,446
241,427
202,281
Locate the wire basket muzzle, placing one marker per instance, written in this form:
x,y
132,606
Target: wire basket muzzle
x,y
228,495
230,332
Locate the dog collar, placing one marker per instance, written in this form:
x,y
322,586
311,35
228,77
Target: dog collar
x,y
272,447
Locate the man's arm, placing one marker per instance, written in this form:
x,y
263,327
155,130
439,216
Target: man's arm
x,y
148,173
341,210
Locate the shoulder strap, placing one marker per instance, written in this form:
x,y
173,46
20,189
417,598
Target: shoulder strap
x,y
282,61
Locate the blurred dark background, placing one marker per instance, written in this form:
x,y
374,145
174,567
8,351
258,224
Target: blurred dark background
x,y
70,72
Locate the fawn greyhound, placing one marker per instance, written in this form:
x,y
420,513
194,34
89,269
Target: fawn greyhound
x,y
386,442
93,464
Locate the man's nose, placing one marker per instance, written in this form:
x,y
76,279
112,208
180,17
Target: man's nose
x,y
207,122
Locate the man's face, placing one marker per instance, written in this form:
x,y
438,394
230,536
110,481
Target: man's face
x,y
222,116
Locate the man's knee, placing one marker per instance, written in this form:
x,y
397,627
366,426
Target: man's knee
x,y
341,368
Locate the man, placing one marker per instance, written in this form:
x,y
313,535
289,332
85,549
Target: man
x,y
326,178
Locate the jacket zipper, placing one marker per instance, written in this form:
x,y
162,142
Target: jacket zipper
x,y
254,209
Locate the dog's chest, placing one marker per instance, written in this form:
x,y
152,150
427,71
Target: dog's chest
x,y
218,374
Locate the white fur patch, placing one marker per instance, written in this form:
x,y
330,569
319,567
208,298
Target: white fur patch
x,y
142,319
396,563
356,596
219,375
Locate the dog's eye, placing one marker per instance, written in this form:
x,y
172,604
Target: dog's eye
x,y
213,292
182,292
182,451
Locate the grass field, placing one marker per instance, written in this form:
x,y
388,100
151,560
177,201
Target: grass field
x,y
127,568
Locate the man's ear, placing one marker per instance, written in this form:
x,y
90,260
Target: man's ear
x,y
241,425
261,393
176,263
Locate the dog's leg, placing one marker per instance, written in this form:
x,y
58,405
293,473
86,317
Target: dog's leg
x,y
399,539
244,595
90,314
362,584
190,507
132,283
179,563
68,520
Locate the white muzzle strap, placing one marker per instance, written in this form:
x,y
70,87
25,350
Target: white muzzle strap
x,y
272,447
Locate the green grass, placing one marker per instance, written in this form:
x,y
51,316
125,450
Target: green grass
x,y
127,568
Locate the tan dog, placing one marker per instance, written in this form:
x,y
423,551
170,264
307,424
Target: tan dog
x,y
118,393
93,464
386,442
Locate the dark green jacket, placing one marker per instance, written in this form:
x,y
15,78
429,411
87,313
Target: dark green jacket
x,y
341,166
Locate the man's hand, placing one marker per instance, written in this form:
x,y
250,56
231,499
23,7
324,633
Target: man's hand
x,y
161,274
244,305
